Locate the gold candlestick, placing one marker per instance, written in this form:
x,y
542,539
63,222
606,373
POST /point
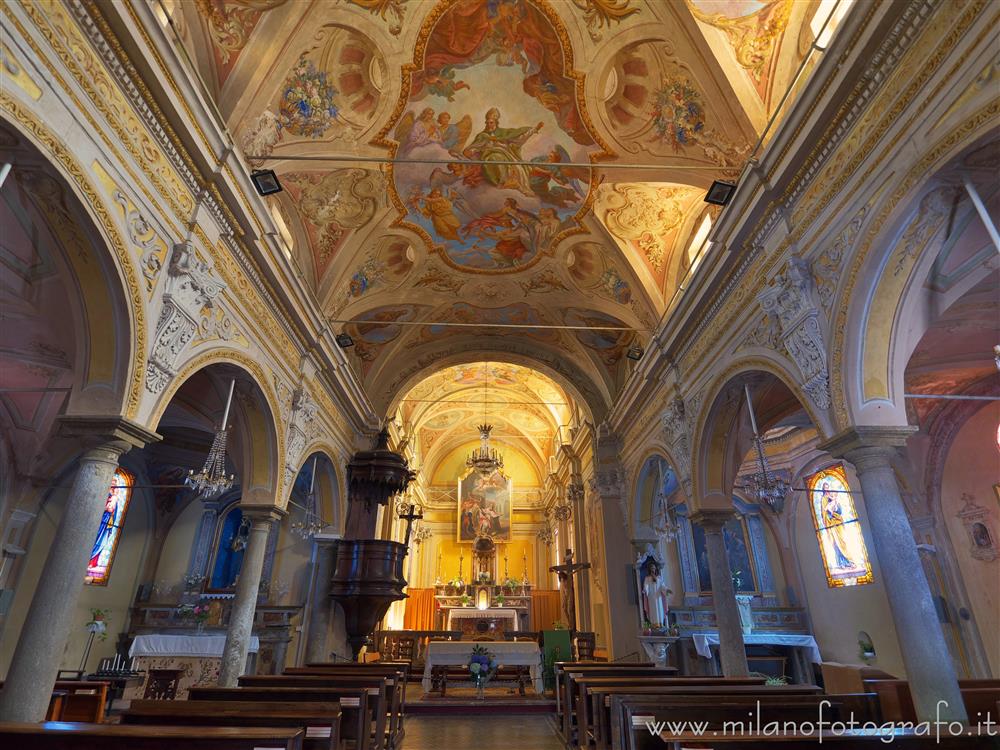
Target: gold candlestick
x,y
461,559
437,570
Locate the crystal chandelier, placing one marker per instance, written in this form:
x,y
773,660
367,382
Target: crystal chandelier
x,y
311,523
765,486
421,534
485,459
212,480
546,534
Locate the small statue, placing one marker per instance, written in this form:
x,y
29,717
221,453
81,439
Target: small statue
x,y
655,597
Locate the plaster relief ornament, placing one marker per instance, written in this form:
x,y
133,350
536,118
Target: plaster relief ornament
x,y
645,216
230,25
602,13
388,10
504,189
791,305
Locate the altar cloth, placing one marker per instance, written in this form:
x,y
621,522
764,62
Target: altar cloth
x,y
504,613
703,642
183,645
507,653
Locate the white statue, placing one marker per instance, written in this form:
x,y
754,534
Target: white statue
x,y
655,596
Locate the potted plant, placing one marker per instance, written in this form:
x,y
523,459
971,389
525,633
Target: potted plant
x,y
511,587
98,624
500,600
866,650
466,600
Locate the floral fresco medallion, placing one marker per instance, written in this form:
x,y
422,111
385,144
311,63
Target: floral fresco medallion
x,y
308,107
490,193
678,117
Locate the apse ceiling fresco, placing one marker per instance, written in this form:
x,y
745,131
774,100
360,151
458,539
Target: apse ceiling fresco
x,y
511,138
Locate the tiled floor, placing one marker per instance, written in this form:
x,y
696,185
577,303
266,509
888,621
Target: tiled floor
x,y
481,732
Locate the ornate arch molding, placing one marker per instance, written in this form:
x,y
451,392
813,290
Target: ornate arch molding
x,y
325,449
851,309
702,430
259,378
130,364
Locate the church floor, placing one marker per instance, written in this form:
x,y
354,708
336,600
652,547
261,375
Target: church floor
x,y
481,732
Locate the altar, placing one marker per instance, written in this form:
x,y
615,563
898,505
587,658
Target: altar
x,y
802,648
195,660
494,621
507,653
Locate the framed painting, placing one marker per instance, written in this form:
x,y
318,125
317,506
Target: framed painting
x,y
484,507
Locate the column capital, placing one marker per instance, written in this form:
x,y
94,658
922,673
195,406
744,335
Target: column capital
x,y
111,431
868,446
712,520
263,513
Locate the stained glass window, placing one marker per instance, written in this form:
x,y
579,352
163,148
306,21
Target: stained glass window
x,y
103,552
838,531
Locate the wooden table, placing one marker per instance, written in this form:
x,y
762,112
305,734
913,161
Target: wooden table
x,y
507,653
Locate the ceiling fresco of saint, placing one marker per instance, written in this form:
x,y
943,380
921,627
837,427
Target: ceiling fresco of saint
x,y
512,136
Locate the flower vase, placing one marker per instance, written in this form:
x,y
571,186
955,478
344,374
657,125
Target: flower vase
x,y
199,627
480,694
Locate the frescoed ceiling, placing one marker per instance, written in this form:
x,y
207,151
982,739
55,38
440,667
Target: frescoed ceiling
x,y
442,412
529,162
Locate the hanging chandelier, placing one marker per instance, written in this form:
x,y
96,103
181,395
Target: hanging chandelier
x,y
212,480
311,523
764,486
485,459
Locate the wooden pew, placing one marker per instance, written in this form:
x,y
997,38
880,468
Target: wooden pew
x,y
632,714
571,696
563,670
897,703
594,714
387,703
594,692
78,700
60,735
355,704
320,722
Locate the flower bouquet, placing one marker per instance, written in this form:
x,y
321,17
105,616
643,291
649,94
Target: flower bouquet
x,y
198,612
482,667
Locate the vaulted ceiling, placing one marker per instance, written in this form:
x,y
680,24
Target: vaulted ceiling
x,y
466,220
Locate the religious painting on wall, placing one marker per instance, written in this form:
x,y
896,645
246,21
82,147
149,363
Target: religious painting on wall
x,y
734,533
484,507
841,543
102,554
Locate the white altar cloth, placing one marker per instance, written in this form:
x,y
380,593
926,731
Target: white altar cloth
x,y
183,645
703,642
498,612
507,653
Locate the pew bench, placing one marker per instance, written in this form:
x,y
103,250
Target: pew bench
x,y
897,702
356,715
387,698
61,735
319,721
901,739
565,686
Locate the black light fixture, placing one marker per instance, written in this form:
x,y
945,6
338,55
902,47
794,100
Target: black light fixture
x,y
344,340
265,181
720,193
635,353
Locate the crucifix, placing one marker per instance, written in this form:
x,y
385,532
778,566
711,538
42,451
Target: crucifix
x,y
410,516
566,571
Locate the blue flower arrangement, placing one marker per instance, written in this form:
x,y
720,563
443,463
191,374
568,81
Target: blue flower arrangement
x,y
482,666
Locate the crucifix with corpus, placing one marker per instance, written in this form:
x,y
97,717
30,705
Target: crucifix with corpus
x,y
410,516
566,571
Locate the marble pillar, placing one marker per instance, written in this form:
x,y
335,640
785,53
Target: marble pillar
x,y
929,667
241,616
321,605
52,613
732,652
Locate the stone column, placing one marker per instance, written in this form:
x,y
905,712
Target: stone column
x,y
321,606
52,613
234,655
732,652
929,667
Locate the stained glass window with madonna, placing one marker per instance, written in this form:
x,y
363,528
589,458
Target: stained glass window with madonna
x,y
838,530
102,554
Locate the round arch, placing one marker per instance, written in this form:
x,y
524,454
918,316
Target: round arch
x,y
723,434
656,473
109,364
256,406
329,486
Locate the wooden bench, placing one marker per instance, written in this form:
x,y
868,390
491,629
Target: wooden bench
x,y
561,669
355,705
902,739
320,722
594,692
387,703
571,695
633,715
61,735
77,700
897,702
